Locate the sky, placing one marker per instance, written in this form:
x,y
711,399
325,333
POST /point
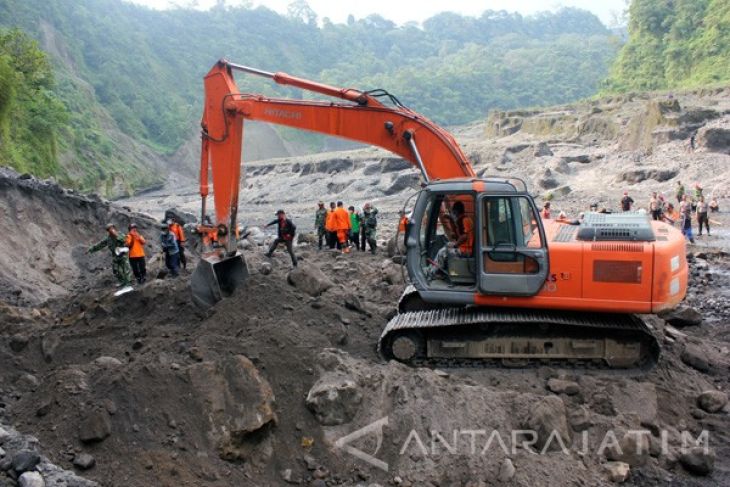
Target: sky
x,y
404,11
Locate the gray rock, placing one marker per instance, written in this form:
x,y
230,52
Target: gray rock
x,y
693,356
96,426
698,460
547,418
617,472
681,316
632,449
84,461
712,401
334,399
353,303
309,279
639,175
239,406
4,435
580,419
25,460
559,386
506,471
542,149
581,158
107,361
31,479
18,342
49,344
265,268
28,382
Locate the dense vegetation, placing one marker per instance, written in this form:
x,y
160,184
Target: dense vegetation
x,y
30,113
143,68
673,44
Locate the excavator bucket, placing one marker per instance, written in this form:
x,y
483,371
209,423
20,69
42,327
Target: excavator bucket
x,y
217,277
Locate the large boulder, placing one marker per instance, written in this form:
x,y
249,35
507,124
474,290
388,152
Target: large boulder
x,y
632,448
547,418
681,316
238,404
698,460
334,399
95,426
638,175
309,279
696,358
715,136
712,401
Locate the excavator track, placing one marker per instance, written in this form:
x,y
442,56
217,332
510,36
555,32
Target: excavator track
x,y
519,338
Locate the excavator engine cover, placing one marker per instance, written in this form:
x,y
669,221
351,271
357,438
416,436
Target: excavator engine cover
x,y
217,277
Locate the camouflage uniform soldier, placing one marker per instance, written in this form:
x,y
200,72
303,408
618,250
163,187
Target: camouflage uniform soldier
x,y
120,264
369,224
319,222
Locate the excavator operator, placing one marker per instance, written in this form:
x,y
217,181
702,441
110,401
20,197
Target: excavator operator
x,y
465,231
461,246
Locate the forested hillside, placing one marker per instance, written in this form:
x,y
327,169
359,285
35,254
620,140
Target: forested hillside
x,y
125,69
673,44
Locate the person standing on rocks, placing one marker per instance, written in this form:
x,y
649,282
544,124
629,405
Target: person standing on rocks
x,y
680,192
714,205
135,242
355,227
168,242
369,225
670,215
655,207
342,227
179,233
120,264
685,212
286,230
330,226
626,202
320,218
702,218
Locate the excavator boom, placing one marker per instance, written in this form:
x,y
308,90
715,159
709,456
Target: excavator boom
x,y
359,116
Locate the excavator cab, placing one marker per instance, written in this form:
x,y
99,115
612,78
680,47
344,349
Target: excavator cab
x,y
476,237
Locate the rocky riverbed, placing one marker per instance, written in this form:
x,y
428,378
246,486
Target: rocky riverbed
x,y
281,384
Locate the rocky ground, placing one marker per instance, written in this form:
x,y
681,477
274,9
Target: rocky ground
x,y
281,383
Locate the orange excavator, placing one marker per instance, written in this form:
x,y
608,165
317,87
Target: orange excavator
x,y
526,290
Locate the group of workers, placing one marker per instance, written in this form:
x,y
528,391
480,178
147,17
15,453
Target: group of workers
x,y
342,229
689,205
128,252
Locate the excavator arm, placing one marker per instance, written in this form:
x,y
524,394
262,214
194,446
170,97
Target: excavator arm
x,y
360,116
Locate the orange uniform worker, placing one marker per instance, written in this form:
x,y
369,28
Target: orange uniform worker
x,y
465,226
342,226
135,242
402,224
177,230
330,226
